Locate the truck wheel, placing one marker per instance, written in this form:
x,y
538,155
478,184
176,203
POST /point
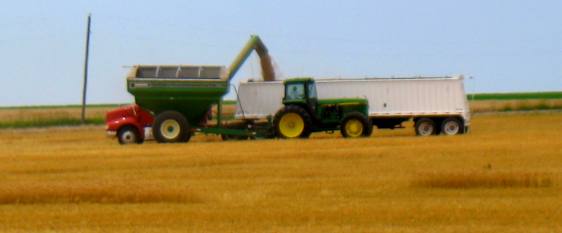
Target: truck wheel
x,y
292,122
356,125
171,127
451,126
129,135
425,127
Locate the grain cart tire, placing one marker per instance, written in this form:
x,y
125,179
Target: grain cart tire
x,y
292,122
355,125
129,135
171,127
425,127
452,126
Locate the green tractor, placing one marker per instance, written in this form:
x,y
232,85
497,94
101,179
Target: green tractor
x,y
303,113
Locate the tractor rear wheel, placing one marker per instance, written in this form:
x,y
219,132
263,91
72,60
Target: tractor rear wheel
x,y
171,127
292,122
356,125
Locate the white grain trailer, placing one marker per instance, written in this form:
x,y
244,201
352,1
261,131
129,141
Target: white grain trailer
x,y
435,104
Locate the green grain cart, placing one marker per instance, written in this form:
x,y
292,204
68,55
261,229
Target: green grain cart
x,y
181,96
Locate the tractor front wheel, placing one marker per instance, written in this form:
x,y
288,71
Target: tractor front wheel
x,y
356,125
171,127
292,122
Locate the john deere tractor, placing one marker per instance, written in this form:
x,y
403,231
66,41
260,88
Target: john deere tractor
x,y
303,113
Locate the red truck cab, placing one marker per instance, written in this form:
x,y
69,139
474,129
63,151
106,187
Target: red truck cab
x,y
128,123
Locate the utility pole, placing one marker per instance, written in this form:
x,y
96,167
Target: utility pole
x,y
84,88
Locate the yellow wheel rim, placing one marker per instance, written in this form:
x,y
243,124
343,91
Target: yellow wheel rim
x,y
170,129
354,128
291,125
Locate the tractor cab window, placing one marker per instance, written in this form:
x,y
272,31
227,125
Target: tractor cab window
x,y
295,91
312,91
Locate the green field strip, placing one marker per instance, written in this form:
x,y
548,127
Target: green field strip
x,y
35,123
515,96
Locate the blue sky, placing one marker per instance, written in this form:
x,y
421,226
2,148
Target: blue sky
x,y
505,45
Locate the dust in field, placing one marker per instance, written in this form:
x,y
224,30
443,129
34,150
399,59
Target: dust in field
x,y
93,192
514,105
77,180
483,179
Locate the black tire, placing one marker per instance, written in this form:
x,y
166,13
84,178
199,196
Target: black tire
x,y
171,120
306,131
452,126
425,127
129,135
366,131
225,137
306,134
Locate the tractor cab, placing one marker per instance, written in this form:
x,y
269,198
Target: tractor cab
x,y
303,113
302,92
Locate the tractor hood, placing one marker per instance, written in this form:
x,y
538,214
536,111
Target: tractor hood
x,y
343,101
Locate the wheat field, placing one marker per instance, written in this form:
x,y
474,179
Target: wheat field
x,y
505,176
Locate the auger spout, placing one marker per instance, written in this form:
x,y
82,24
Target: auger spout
x,y
256,44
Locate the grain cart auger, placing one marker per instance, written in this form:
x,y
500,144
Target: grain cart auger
x,y
254,44
174,101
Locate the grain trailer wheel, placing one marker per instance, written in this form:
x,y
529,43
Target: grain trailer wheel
x,y
452,126
425,127
129,135
171,127
356,125
292,122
